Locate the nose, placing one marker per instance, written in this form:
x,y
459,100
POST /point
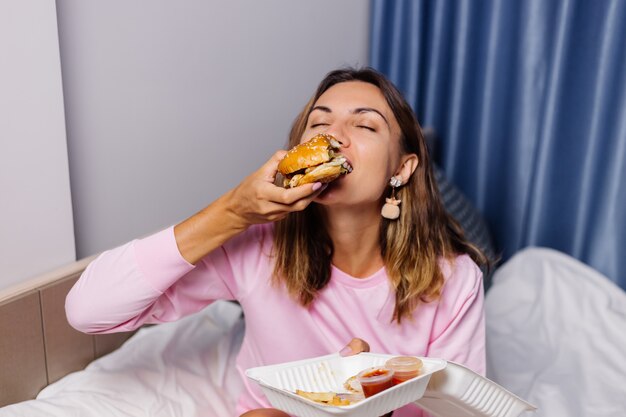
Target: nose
x,y
340,134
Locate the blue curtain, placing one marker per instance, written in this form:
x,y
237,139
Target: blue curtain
x,y
529,101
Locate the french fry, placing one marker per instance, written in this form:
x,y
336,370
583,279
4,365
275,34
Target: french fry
x,y
328,398
320,397
338,401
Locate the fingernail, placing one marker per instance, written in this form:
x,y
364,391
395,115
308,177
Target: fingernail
x,y
345,351
317,186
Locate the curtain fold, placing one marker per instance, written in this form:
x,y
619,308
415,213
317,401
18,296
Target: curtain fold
x,y
529,101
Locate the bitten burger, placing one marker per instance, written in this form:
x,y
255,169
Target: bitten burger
x,y
316,160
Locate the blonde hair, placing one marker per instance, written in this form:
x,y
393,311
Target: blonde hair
x,y
411,246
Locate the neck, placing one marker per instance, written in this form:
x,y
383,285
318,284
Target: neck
x,y
355,236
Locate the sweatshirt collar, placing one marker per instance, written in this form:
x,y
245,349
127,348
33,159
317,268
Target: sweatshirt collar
x,y
337,275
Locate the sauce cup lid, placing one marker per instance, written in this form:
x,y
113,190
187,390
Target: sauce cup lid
x,y
404,364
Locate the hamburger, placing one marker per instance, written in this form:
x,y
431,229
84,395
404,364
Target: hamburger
x,y
316,160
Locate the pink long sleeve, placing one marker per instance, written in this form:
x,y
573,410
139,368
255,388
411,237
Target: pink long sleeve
x,y
127,286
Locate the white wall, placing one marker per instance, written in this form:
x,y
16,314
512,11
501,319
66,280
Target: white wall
x,y
36,229
169,104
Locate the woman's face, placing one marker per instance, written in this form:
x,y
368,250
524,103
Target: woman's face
x,y
357,114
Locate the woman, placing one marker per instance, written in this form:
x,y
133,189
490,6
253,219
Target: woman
x,y
313,266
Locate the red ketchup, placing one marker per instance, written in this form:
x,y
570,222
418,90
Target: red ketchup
x,y
375,380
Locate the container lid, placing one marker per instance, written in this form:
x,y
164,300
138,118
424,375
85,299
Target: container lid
x,y
457,391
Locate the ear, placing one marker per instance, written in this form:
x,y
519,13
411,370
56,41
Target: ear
x,y
408,164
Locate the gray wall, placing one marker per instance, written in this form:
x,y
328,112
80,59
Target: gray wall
x,y
170,104
36,229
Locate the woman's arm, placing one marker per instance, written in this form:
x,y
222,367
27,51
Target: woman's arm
x,y
256,200
156,279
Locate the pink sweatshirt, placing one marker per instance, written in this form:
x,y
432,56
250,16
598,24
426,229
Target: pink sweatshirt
x,y
148,281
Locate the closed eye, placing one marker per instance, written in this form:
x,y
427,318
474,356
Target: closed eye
x,y
367,127
319,124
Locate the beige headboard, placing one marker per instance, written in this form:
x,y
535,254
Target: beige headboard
x,y
37,345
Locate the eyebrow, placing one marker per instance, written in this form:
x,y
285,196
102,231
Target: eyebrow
x,y
355,111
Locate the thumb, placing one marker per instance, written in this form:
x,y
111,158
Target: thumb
x,y
269,169
355,346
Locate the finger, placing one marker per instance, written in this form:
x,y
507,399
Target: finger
x,y
269,169
355,346
272,211
289,196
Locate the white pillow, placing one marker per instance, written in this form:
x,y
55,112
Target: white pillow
x,y
556,335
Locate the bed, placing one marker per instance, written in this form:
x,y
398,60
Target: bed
x,y
185,368
556,337
38,347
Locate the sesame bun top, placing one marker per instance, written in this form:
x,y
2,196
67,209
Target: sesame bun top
x,y
308,154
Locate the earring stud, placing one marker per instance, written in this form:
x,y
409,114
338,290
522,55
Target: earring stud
x,y
395,181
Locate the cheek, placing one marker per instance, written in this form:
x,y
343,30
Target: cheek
x,y
379,163
373,177
306,135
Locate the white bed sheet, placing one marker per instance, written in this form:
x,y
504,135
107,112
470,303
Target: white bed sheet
x,y
181,369
556,335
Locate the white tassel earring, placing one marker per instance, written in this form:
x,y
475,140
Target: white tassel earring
x,y
391,209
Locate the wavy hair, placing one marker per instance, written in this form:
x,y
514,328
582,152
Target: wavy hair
x,y
411,246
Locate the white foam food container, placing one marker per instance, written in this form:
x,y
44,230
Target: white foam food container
x,y
444,389
328,374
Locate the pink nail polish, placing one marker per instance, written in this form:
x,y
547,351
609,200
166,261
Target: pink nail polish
x,y
317,186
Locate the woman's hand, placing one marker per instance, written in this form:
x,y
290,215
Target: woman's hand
x,y
255,200
355,346
258,200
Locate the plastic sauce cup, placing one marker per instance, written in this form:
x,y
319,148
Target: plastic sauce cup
x,y
404,368
374,380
